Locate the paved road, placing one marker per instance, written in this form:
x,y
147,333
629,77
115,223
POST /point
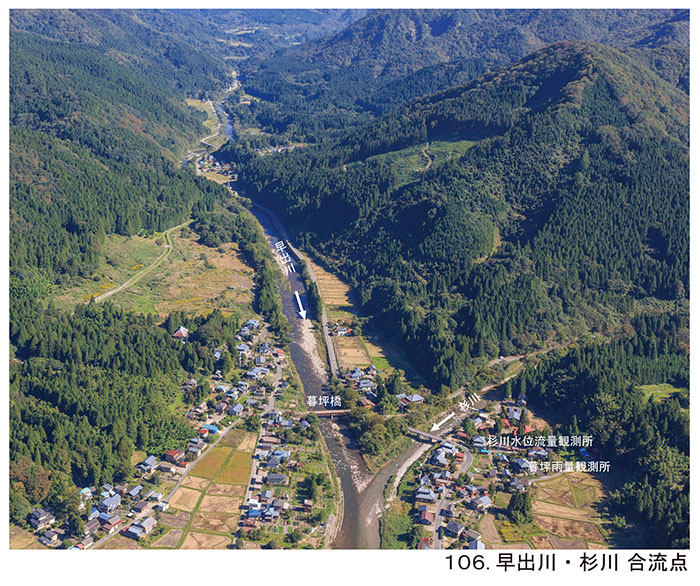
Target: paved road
x,y
137,277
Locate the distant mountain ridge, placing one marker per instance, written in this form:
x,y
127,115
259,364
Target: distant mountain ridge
x,y
391,57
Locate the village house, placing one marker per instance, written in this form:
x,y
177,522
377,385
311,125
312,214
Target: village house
x,y
525,466
110,503
424,543
40,519
471,535
148,464
175,456
181,334
121,488
409,400
168,467
85,543
454,529
91,527
134,492
425,495
274,478
140,507
49,539
162,506
112,524
481,503
235,410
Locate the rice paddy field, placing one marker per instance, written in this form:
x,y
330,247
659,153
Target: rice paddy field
x,y
357,351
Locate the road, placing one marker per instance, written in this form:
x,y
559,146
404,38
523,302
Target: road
x,y
137,277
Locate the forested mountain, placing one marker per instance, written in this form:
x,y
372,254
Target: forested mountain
x,y
391,57
567,208
95,137
592,389
185,50
93,145
89,388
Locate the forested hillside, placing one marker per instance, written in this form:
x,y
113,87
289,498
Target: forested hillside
x,y
183,50
95,138
567,210
391,57
591,389
90,387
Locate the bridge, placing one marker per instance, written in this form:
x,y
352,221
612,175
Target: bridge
x,y
331,412
424,435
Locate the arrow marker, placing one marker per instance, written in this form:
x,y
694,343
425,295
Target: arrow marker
x,y
437,425
302,311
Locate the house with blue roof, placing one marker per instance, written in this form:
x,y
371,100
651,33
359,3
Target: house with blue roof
x,y
109,504
134,492
148,464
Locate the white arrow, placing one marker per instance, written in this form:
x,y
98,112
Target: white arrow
x,y
437,425
302,311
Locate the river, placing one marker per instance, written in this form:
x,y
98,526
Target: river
x,y
351,470
362,493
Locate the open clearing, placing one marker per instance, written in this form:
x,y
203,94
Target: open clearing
x,y
178,520
568,528
558,543
556,491
237,469
124,256
487,528
227,489
193,278
248,443
20,538
217,522
334,292
659,392
185,499
120,542
194,482
350,352
170,539
212,121
220,504
544,508
541,542
208,466
205,541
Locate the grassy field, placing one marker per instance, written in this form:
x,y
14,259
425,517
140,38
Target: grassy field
x,y
350,352
217,177
185,499
193,278
659,392
23,539
124,256
212,121
208,466
410,163
353,351
566,508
